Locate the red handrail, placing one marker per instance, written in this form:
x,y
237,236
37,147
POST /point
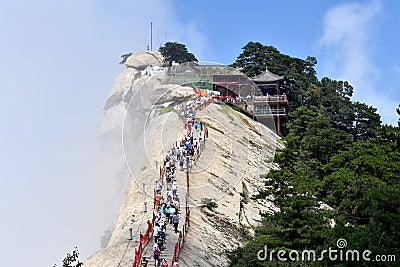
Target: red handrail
x,y
143,239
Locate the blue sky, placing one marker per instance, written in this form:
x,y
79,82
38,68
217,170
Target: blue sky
x,y
352,40
58,63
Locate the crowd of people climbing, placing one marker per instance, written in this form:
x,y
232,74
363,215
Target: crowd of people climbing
x,y
166,198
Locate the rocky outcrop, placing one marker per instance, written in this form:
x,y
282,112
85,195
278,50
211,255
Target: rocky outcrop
x,y
132,136
228,173
138,126
141,60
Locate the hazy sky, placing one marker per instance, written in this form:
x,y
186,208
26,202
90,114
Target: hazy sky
x,y
58,63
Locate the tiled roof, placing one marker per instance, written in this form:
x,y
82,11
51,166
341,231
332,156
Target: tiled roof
x,y
267,76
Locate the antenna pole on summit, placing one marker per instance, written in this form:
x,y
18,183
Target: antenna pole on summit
x,y
151,36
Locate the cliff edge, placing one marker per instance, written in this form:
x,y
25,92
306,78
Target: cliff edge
x,y
138,126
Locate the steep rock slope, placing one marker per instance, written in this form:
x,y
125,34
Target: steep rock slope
x,y
228,173
137,129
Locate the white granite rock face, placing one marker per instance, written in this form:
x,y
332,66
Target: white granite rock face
x,y
140,60
135,133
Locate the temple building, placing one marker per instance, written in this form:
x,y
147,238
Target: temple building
x,y
260,97
271,101
265,102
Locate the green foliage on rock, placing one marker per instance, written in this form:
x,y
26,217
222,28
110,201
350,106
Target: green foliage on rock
x,y
124,57
166,110
71,259
209,204
299,74
337,154
173,51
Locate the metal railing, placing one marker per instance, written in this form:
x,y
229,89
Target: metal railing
x,y
275,98
272,111
144,239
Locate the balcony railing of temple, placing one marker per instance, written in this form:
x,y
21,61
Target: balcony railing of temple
x,y
270,111
268,98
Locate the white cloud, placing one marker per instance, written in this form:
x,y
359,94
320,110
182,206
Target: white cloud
x,y
58,62
349,47
190,33
397,69
346,36
197,41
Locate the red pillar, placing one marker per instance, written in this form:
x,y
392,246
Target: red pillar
x,y
279,124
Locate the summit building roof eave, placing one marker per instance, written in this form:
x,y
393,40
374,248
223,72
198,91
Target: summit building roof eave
x,y
267,76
